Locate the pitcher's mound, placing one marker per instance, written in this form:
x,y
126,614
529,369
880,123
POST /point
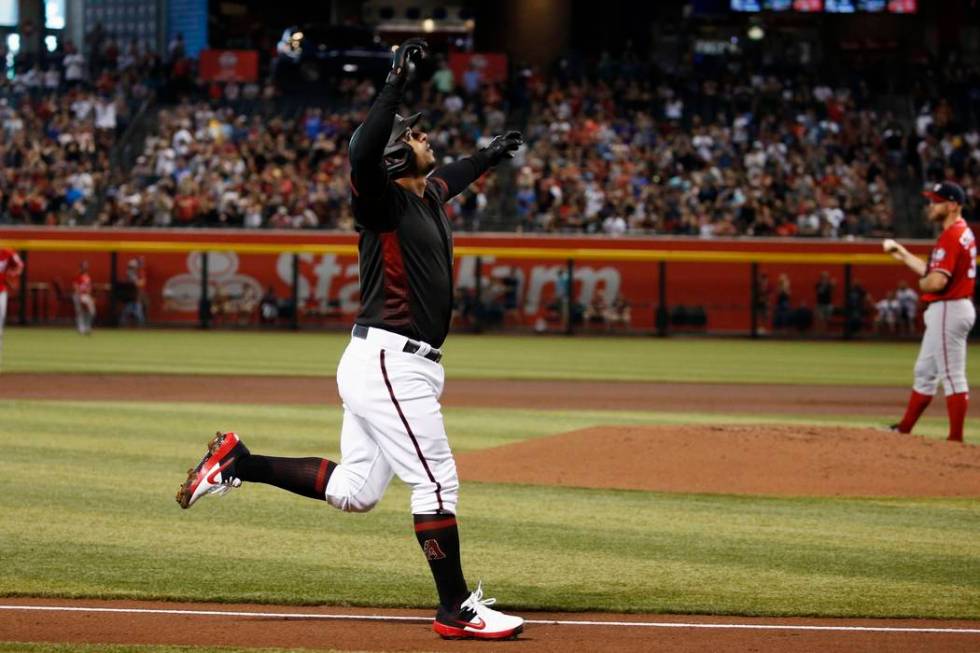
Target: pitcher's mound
x,y
760,459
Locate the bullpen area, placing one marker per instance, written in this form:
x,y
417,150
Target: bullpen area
x,y
626,494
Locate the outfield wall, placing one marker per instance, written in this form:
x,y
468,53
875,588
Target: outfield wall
x,y
652,273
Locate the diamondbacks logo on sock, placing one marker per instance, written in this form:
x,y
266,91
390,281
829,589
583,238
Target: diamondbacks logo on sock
x,y
432,550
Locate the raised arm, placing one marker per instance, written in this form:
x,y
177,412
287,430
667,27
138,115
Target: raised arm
x,y
367,146
368,176
453,178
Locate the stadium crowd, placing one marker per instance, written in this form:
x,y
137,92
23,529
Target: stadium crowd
x,y
235,160
633,149
621,149
59,125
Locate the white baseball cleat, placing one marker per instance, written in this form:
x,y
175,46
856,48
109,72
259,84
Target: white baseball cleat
x,y
476,620
215,474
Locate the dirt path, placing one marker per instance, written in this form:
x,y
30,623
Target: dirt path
x,y
716,397
301,629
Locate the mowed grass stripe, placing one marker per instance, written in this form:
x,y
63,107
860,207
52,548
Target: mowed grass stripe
x,y
467,356
86,491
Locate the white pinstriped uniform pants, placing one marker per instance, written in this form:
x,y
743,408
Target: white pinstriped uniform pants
x,y
942,357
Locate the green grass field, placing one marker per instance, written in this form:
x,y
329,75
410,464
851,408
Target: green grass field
x,y
508,357
86,493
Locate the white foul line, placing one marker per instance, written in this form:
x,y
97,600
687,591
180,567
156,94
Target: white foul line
x,y
545,622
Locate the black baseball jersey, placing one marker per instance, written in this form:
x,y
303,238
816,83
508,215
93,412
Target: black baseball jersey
x,y
405,244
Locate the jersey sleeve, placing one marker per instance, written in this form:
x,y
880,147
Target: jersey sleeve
x,y
450,180
369,179
945,254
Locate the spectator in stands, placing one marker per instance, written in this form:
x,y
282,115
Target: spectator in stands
x,y
222,305
596,312
762,299
908,304
74,63
782,312
620,147
134,308
269,306
887,312
857,307
442,79
824,304
618,314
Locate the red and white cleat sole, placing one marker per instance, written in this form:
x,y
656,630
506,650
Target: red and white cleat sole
x,y
206,477
471,632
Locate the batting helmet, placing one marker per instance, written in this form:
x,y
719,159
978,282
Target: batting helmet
x,y
398,154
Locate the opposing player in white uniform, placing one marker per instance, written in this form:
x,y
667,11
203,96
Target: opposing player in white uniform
x,y
10,267
947,283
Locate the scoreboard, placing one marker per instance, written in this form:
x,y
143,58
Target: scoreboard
x,y
828,6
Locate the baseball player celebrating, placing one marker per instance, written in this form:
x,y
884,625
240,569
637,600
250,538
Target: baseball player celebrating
x,y
946,282
10,267
390,377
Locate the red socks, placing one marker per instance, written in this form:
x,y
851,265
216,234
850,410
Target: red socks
x,y
917,405
956,409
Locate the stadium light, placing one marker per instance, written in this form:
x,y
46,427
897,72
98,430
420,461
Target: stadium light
x,y
756,33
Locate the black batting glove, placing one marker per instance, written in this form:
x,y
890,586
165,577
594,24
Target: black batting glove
x,y
502,147
403,62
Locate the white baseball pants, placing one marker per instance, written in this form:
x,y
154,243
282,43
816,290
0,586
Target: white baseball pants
x,y
942,357
392,426
84,312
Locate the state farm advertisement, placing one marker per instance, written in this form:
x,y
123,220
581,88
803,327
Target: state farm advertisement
x,y
513,292
328,283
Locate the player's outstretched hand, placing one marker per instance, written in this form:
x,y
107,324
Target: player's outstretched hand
x,y
406,56
502,147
